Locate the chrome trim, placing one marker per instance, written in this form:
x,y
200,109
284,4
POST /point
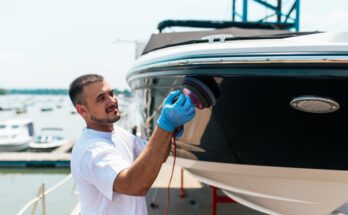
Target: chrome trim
x,y
134,72
146,60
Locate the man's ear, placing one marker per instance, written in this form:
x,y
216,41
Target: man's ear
x,y
81,109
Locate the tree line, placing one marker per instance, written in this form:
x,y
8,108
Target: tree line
x,y
50,91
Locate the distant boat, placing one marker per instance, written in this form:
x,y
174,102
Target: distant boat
x,y
15,135
47,142
49,139
51,129
46,109
5,109
21,110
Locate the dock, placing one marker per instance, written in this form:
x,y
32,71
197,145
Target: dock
x,y
59,157
35,159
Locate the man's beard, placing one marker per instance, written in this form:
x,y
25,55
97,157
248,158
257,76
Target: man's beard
x,y
105,120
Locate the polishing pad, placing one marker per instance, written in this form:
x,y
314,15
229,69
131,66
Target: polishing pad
x,y
201,94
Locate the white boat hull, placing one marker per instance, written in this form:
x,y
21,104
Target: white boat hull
x,y
15,135
274,190
33,146
14,147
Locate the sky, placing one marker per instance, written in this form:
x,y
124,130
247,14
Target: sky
x,y
46,43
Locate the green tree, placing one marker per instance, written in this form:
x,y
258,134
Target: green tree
x,y
3,91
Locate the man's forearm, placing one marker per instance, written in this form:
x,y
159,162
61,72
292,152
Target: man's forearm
x,y
137,179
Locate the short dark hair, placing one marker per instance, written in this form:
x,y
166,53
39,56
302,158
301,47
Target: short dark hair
x,y
76,87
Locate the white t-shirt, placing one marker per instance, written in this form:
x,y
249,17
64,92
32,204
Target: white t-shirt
x,y
97,158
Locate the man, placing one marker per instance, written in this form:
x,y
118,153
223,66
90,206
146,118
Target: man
x,y
112,168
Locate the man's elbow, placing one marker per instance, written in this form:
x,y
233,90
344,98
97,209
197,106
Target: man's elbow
x,y
129,184
134,191
142,191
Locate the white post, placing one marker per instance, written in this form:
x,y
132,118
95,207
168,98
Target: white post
x,y
35,204
43,199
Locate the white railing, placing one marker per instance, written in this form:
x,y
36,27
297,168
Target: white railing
x,y
41,194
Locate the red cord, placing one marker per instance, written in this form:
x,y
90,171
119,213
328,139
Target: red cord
x,y
171,177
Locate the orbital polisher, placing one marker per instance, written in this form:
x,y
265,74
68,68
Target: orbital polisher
x,y
203,92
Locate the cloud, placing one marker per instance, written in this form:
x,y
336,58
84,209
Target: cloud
x,y
333,21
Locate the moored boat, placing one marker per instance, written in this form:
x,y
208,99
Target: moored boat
x,y
15,135
49,139
273,137
46,143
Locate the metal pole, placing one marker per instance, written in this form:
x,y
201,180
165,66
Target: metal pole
x,y
297,21
290,11
279,14
233,10
245,10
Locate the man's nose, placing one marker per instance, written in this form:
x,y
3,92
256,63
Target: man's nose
x,y
113,98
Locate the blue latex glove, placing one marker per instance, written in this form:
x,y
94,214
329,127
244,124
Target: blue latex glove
x,y
175,113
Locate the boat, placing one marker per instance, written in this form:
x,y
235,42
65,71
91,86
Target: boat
x,y
6,109
46,109
15,135
45,143
271,113
21,110
73,111
48,140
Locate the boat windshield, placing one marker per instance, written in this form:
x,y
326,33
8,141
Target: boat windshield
x,y
47,138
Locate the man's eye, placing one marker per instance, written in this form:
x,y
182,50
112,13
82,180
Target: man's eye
x,y
100,99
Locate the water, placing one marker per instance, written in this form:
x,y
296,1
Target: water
x,y
20,185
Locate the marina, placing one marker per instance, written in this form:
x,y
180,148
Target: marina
x,y
267,80
16,166
51,167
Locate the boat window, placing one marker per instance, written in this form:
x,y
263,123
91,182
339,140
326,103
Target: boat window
x,y
15,126
2,126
